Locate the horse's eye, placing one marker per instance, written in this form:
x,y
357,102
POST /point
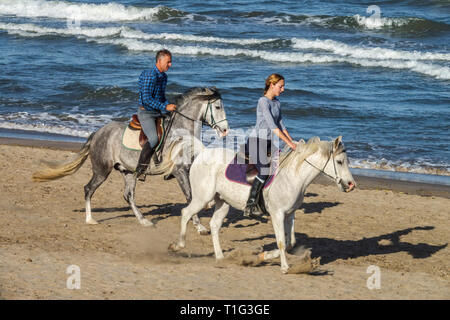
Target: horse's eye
x,y
339,162
217,107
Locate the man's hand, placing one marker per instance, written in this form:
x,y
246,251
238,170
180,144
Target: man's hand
x,y
171,107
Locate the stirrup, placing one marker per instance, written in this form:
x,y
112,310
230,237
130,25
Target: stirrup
x,y
156,160
141,174
251,210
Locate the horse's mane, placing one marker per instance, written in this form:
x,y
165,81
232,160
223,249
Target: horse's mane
x,y
200,93
304,150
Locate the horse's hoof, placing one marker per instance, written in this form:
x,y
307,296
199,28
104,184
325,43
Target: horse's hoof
x,y
202,231
284,270
147,223
91,221
173,247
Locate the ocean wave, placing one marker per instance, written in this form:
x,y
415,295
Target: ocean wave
x,y
136,40
43,127
72,124
401,166
86,11
433,70
336,47
402,25
377,53
32,30
405,25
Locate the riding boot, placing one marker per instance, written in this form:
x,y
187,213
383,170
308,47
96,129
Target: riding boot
x,y
156,159
144,161
250,207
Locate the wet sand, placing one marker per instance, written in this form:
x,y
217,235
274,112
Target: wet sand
x,y
400,227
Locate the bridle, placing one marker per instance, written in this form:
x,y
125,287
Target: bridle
x,y
336,178
213,123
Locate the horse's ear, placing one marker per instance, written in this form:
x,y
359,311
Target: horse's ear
x,y
313,140
209,91
301,141
337,142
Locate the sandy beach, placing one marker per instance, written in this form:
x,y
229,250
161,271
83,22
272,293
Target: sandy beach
x,y
401,228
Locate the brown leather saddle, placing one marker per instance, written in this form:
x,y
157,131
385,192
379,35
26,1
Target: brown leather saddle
x,y
135,124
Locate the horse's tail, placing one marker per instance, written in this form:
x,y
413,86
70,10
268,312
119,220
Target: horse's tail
x,y
61,169
181,151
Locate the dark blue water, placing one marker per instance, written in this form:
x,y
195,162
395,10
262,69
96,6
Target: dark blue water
x,y
375,72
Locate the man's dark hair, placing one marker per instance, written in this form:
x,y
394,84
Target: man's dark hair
x,y
162,53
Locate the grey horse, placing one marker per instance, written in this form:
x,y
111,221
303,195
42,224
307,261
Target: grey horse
x,y
195,106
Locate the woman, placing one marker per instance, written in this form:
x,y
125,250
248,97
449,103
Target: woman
x,y
268,130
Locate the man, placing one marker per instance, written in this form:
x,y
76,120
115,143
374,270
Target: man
x,y
152,99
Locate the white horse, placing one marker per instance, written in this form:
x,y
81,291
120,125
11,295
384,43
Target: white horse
x,y
297,169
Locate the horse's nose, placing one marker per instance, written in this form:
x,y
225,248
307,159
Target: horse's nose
x,y
351,186
224,132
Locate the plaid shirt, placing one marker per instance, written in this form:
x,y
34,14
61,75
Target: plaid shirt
x,y
152,88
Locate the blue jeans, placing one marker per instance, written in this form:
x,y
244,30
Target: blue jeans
x,y
147,120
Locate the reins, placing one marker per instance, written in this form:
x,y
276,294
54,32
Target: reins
x,y
336,179
213,123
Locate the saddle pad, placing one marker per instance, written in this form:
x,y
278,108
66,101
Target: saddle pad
x,y
236,172
130,139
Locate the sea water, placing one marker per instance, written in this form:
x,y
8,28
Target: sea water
x,y
375,72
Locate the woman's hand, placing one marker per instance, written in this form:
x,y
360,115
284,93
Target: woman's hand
x,y
286,138
292,145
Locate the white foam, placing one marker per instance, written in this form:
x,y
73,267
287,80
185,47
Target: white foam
x,y
72,124
398,166
377,53
374,22
437,71
42,127
32,30
340,52
136,34
76,11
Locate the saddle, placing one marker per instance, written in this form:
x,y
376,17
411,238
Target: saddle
x,y
134,137
240,170
135,124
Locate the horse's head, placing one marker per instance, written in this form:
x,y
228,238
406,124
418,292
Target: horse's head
x,y
337,166
214,112
206,105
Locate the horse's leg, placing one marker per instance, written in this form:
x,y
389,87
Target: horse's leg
x,y
181,173
289,231
130,187
278,227
215,223
89,189
289,234
186,214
